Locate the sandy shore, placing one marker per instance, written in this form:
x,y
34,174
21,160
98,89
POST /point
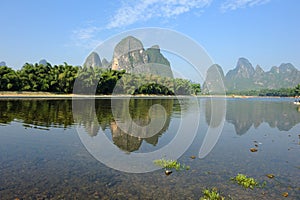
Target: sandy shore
x,y
48,95
33,95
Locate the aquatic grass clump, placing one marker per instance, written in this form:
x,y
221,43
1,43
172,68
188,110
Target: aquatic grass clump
x,y
246,182
211,194
170,164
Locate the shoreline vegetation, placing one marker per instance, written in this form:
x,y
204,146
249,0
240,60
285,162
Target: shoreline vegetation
x,y
59,81
105,81
16,94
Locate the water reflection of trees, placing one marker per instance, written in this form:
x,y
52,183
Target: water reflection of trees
x,y
91,114
54,113
244,113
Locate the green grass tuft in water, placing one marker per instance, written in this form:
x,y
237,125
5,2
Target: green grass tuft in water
x,y
211,194
246,182
170,164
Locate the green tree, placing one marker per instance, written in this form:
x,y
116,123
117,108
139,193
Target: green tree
x,y
153,88
26,74
88,78
182,86
297,90
108,81
34,77
66,78
196,88
9,80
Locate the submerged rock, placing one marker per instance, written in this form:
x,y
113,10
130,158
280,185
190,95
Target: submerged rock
x,y
270,175
253,149
168,172
285,194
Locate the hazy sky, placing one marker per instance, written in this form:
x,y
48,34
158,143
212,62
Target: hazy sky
x,y
267,32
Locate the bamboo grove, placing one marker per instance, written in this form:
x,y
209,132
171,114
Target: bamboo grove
x,y
61,78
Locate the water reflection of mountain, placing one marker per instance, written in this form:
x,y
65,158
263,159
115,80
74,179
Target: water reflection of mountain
x,y
91,114
214,111
54,113
98,114
245,113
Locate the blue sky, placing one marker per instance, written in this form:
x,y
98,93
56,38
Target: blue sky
x,y
267,32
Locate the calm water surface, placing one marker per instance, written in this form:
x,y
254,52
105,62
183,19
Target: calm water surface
x,y
42,156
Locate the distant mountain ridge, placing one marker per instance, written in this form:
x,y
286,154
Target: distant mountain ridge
x,y
43,62
2,63
93,60
245,77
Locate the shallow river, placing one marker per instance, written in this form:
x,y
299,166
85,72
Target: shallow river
x,y
104,149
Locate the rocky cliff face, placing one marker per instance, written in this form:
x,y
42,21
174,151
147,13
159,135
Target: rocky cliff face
x,y
93,60
155,56
240,78
286,75
244,70
105,63
214,82
244,77
129,54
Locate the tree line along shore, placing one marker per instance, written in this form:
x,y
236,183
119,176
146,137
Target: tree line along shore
x,y
60,79
48,80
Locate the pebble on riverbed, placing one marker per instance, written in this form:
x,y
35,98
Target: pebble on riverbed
x,y
168,172
285,194
270,175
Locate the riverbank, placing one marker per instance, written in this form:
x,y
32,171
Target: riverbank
x,y
33,95
10,95
48,95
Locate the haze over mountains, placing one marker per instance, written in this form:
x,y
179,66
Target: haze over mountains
x,y
245,77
